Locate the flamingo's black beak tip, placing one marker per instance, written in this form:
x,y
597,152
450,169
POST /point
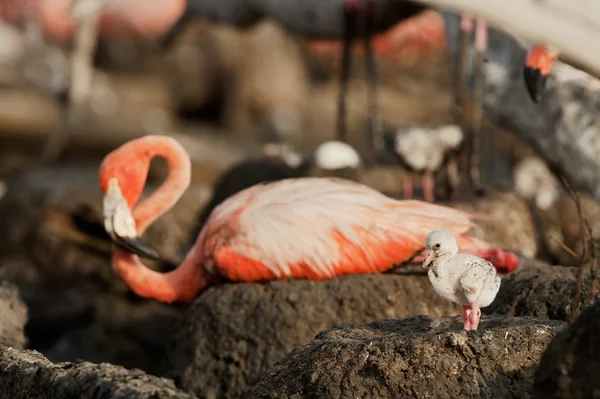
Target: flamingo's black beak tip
x,y
120,224
535,82
137,246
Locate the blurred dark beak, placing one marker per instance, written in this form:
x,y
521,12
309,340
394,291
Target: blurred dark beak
x,y
538,66
120,224
535,82
136,246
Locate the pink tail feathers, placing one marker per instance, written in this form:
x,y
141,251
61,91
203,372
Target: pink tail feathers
x,y
505,262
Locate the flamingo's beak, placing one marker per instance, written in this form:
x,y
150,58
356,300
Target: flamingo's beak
x,y
428,259
120,224
538,66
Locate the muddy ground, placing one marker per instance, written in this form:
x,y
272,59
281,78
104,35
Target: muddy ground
x,y
222,93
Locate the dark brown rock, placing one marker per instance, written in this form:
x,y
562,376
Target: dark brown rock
x,y
569,367
53,219
13,316
27,374
129,333
569,219
53,246
560,222
507,222
541,291
414,358
234,333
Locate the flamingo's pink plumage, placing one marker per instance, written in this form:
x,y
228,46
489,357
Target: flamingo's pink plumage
x,y
319,228
313,228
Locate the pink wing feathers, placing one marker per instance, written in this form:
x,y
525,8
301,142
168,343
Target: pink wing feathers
x,y
319,228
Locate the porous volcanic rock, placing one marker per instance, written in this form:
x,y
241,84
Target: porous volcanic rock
x,y
54,248
27,374
561,222
13,316
570,365
540,291
234,333
507,222
416,357
53,224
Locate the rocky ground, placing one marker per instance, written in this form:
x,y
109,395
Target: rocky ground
x,y
542,291
414,358
220,353
13,316
385,335
27,373
571,359
233,336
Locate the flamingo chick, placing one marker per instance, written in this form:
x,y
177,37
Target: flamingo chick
x,y
334,154
423,150
315,228
462,278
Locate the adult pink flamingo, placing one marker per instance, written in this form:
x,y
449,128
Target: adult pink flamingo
x,y
314,228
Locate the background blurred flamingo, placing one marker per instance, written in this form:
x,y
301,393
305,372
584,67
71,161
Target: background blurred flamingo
x,y
538,66
315,228
118,19
334,19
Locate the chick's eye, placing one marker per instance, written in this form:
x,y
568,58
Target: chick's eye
x,y
437,245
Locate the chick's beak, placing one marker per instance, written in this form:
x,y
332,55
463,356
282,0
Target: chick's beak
x,y
428,259
120,224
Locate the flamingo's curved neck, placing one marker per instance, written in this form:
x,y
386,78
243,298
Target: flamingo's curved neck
x,y
178,180
183,283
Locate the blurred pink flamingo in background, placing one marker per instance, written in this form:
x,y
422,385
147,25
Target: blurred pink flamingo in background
x,y
313,228
538,65
137,18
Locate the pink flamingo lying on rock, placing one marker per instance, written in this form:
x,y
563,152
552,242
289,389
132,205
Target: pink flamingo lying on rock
x,y
314,228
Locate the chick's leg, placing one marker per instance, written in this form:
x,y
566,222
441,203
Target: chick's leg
x,y
475,316
467,317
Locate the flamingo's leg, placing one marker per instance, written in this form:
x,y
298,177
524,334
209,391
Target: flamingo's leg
x,y
467,312
475,316
407,185
375,123
351,10
466,27
452,176
428,184
477,115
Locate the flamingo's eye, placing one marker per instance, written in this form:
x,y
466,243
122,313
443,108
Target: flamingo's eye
x,y
437,245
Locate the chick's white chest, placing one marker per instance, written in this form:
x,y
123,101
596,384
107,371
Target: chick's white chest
x,y
446,283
